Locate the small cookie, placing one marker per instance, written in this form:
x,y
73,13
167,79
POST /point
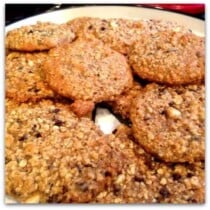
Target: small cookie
x,y
169,122
169,57
122,103
41,36
53,156
24,77
87,70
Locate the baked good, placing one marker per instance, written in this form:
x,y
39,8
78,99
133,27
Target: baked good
x,y
53,156
24,77
169,122
40,36
169,57
87,70
148,180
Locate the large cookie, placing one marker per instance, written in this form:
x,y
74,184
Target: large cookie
x,y
40,36
87,70
24,80
53,156
169,122
148,180
169,57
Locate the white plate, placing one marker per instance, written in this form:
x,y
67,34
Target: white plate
x,y
104,119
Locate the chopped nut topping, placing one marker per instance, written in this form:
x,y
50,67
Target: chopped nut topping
x,y
173,113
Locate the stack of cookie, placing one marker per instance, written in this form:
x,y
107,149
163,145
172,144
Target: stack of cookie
x,y
148,72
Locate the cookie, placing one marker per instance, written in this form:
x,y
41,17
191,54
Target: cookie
x,y
53,156
119,33
169,122
148,180
40,36
174,183
24,80
87,70
122,103
122,190
169,57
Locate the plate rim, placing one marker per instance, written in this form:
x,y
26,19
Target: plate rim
x,y
119,8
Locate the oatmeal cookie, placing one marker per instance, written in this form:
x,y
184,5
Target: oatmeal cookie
x,y
148,180
177,183
87,70
40,36
169,57
53,156
24,80
123,188
169,122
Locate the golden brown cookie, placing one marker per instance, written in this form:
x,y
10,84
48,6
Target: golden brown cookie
x,y
148,180
24,80
169,57
53,156
169,122
87,70
40,36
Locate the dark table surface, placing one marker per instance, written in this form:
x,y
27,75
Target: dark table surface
x,y
15,12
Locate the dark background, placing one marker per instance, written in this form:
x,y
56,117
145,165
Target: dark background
x,y
15,12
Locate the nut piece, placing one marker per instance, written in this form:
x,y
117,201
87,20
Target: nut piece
x,y
120,179
30,63
173,113
163,181
23,163
113,24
